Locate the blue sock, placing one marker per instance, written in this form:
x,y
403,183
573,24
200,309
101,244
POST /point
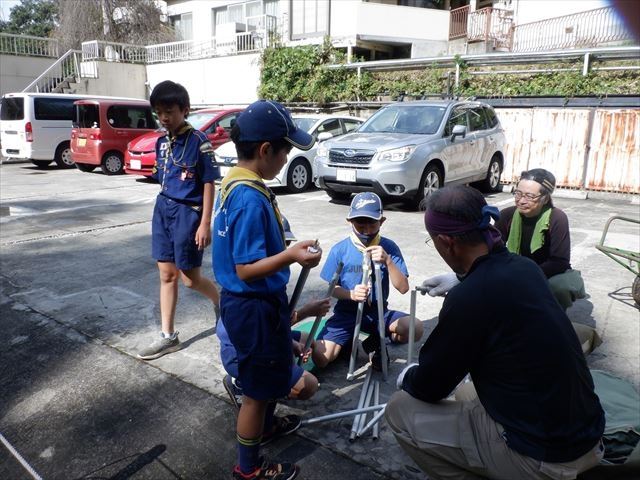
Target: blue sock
x,y
268,417
248,453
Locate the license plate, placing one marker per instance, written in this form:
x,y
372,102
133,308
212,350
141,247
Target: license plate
x,y
345,175
82,142
136,164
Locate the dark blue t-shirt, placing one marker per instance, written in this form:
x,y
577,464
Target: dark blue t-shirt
x,y
184,165
347,253
503,325
245,230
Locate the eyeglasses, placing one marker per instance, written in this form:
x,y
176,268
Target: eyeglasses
x,y
528,196
429,241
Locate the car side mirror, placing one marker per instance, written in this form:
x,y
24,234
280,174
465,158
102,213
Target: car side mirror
x,y
324,136
458,131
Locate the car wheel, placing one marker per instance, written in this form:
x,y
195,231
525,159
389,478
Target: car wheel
x,y
430,182
63,156
112,163
41,163
339,196
298,176
84,167
492,182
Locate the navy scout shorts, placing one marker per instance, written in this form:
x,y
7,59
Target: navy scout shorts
x,y
259,328
229,358
339,328
173,233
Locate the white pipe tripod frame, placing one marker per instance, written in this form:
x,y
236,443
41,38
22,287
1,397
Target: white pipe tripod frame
x,y
376,418
316,322
412,326
361,404
381,325
347,413
366,271
375,423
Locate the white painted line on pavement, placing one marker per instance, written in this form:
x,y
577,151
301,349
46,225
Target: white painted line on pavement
x,y
315,198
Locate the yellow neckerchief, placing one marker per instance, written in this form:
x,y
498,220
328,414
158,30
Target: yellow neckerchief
x,y
361,246
243,176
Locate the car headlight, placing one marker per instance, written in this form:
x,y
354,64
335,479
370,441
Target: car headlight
x,y
397,154
322,151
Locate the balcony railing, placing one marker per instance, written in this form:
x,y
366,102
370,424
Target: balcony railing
x,y
585,29
485,25
113,52
458,22
262,30
491,25
27,45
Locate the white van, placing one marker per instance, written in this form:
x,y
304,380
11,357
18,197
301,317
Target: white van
x,y
37,127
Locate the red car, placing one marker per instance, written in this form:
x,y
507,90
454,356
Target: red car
x,y
216,124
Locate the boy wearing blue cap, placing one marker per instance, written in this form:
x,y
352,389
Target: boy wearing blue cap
x,y
303,383
365,216
251,263
181,224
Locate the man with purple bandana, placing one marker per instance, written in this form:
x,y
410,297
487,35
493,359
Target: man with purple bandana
x,y
528,413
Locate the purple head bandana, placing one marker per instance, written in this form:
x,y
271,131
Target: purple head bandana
x,y
438,223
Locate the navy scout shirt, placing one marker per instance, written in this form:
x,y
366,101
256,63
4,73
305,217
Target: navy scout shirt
x,y
184,164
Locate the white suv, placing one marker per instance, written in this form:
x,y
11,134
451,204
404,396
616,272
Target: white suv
x,y
407,150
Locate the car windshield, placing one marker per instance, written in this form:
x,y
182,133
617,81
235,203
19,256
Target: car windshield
x,y
200,119
304,123
421,119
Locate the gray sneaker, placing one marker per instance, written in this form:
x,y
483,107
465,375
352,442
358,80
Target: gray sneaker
x,y
160,347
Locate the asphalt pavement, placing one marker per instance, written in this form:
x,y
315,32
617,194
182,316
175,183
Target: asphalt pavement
x,y
79,298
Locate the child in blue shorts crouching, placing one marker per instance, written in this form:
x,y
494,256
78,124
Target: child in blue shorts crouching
x,y
365,217
251,263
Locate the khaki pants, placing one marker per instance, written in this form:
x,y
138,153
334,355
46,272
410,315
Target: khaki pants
x,y
458,440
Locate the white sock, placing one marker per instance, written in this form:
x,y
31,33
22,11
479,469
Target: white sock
x,y
170,336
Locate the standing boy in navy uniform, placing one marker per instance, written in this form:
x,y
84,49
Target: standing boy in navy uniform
x,y
251,263
181,225
365,217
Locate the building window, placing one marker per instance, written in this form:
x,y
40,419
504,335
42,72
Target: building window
x,y
183,25
309,18
240,12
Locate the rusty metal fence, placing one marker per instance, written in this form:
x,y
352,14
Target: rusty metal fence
x,y
593,149
458,22
584,29
493,25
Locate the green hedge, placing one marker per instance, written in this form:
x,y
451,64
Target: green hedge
x,y
298,74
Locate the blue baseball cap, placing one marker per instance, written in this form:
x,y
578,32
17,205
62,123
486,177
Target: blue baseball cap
x,y
267,120
288,234
366,204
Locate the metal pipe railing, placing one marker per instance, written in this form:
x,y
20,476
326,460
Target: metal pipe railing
x,y
458,22
11,44
62,69
578,30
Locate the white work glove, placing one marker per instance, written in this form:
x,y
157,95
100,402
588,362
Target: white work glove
x,y
439,285
403,373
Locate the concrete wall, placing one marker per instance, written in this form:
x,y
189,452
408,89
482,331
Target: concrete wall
x,y
17,72
220,80
113,79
